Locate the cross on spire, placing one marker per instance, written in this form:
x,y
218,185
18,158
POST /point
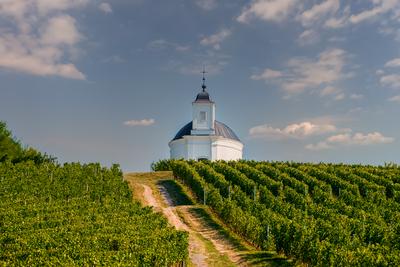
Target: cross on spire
x,y
204,79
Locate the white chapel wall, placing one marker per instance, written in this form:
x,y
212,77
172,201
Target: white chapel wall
x,y
212,148
227,149
199,148
178,149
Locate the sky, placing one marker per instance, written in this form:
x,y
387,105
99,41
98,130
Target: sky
x,y
113,81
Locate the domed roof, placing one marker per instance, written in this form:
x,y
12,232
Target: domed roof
x,y
203,96
220,128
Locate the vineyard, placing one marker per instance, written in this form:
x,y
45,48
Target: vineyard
x,y
83,214
79,215
318,214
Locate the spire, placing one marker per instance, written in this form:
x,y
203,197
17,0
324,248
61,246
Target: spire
x,y
204,79
203,96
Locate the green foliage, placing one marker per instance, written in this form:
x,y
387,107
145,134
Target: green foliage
x,y
234,176
79,215
319,214
9,147
212,177
260,178
12,150
161,165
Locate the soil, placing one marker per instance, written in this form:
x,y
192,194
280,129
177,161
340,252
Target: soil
x,y
197,251
196,223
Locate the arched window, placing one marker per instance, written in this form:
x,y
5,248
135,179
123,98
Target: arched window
x,y
203,116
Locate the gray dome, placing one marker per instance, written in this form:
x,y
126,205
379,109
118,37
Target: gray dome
x,y
220,130
203,96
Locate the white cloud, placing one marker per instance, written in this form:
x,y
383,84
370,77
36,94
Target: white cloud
x,y
380,7
395,99
47,6
391,30
340,96
348,139
216,39
332,91
329,90
335,23
382,11
308,37
339,21
356,96
391,80
326,69
360,139
332,14
206,4
41,40
387,30
319,11
292,131
106,8
161,44
393,63
269,10
267,74
60,30
310,74
318,146
143,122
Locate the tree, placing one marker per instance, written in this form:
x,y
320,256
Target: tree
x,y
9,147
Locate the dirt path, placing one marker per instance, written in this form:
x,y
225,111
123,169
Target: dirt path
x,y
197,251
209,243
148,196
196,223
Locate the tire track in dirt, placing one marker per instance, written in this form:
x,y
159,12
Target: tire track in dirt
x,y
193,224
197,251
196,223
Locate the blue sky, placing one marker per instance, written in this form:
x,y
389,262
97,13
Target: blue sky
x,y
113,81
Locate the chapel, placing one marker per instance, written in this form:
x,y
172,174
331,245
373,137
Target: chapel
x,y
205,137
